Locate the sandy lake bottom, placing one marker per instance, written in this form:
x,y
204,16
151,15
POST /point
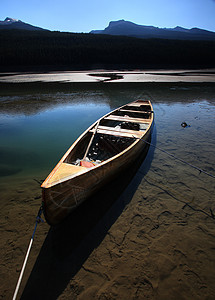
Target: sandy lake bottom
x,y
149,238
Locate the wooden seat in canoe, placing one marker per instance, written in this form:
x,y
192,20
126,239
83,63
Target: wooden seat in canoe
x,y
122,130
127,119
138,103
135,111
118,132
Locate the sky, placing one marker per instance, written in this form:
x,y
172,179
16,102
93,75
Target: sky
x,y
87,15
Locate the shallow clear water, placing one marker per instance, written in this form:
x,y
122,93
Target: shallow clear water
x,y
34,143
37,126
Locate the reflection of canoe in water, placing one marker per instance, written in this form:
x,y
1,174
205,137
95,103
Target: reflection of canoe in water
x,y
102,152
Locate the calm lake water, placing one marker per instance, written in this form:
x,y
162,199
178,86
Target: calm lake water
x,y
38,123
163,236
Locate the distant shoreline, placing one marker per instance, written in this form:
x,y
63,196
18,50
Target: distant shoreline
x,y
113,76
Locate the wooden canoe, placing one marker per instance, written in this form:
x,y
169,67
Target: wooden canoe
x,y
105,149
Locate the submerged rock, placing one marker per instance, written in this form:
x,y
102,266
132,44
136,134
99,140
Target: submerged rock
x,y
184,124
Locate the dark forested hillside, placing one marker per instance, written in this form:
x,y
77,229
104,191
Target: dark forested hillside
x,y
56,50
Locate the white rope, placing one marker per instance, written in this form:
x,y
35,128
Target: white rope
x,y
38,220
177,158
23,269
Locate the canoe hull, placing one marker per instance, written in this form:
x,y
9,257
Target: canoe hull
x,y
61,199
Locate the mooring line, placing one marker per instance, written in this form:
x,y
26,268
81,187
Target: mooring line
x,y
172,193
38,220
177,158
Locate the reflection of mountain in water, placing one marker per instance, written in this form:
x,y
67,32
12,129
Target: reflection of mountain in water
x,y
32,98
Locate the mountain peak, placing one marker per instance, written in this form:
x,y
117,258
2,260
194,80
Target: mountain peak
x,y
127,28
121,23
10,23
114,23
10,20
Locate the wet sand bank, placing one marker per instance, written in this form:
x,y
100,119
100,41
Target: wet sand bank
x,y
206,75
154,242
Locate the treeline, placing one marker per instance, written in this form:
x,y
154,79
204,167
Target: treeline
x,y
20,49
